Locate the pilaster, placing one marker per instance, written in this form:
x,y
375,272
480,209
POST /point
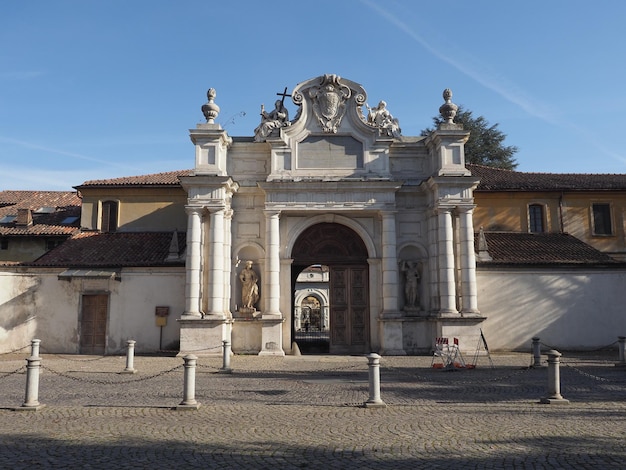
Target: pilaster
x,y
193,264
469,300
216,264
447,287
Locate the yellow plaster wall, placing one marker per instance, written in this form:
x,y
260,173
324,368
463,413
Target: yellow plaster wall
x,y
565,212
142,209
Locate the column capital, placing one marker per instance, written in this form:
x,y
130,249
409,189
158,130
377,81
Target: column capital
x,y
466,209
194,209
443,209
272,212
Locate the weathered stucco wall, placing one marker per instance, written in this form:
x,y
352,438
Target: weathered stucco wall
x,y
44,307
568,309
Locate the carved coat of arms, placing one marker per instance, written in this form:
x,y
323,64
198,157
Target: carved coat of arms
x,y
329,102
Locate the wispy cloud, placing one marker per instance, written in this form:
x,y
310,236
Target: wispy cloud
x,y
20,74
493,80
78,156
31,178
481,73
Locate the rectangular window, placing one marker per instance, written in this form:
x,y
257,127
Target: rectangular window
x,y
535,218
4,243
602,219
109,216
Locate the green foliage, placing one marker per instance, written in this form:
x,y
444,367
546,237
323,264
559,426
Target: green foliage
x,y
485,145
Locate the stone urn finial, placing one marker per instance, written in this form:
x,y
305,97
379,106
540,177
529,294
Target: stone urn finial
x,y
210,109
448,109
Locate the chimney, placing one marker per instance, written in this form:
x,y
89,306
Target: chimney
x,y
24,218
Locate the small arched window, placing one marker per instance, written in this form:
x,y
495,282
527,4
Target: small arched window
x,y
535,218
109,216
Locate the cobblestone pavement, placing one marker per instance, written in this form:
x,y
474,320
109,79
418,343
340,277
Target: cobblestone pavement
x,y
306,412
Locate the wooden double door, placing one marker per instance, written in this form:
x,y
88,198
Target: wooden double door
x,y
349,310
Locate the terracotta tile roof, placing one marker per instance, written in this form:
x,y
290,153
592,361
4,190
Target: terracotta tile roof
x,y
120,249
541,249
497,179
61,204
156,179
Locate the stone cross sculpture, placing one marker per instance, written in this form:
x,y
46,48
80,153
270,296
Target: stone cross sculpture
x,y
278,117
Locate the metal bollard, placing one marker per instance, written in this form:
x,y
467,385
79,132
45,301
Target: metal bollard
x,y
189,387
130,357
536,353
621,344
374,400
226,362
554,382
31,401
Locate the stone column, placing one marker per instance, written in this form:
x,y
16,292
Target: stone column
x,y
468,261
193,263
228,242
447,290
272,318
272,267
216,264
389,265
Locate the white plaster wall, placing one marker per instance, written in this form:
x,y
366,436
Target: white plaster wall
x,y
132,310
39,305
18,323
568,309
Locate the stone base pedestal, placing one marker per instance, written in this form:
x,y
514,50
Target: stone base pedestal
x,y
272,336
466,329
391,343
415,334
246,337
203,336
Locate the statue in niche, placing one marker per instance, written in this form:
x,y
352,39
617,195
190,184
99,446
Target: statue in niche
x,y
278,117
412,276
249,288
380,117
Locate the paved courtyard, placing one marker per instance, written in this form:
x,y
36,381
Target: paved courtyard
x,y
306,412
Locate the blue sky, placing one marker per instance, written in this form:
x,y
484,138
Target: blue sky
x,y
102,89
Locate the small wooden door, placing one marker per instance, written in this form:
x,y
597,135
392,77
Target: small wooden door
x,y
348,310
93,323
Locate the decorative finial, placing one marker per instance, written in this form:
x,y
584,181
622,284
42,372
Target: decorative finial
x,y
210,109
448,109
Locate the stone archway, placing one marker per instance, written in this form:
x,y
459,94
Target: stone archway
x,y
343,251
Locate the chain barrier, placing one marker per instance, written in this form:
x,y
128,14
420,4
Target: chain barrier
x,y
15,350
601,348
295,372
16,371
424,378
106,382
591,376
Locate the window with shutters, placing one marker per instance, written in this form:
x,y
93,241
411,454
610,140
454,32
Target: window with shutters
x,y
109,216
536,218
601,213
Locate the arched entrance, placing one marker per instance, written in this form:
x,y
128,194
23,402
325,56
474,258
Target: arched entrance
x,y
344,253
